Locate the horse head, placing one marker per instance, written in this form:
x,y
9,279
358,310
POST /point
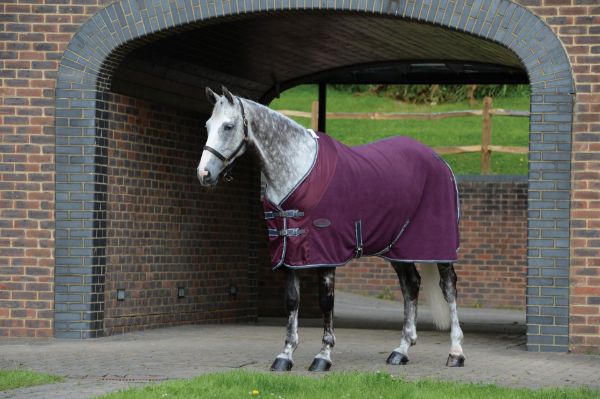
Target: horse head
x,y
227,136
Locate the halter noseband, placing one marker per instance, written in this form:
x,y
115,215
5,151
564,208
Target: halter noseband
x,y
227,161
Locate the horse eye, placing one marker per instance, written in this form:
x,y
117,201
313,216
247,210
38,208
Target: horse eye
x,y
228,126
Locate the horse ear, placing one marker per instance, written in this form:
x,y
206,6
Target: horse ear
x,y
211,96
227,95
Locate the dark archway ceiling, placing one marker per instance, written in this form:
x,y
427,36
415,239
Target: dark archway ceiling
x,y
257,55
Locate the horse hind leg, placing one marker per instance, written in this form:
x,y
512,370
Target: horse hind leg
x,y
448,285
322,361
410,282
284,361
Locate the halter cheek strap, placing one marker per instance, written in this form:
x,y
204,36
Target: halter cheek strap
x,y
227,161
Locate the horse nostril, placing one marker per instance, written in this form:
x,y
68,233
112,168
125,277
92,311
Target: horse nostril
x,y
206,176
203,175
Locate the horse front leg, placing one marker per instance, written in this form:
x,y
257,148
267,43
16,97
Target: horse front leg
x,y
410,282
448,285
284,361
322,362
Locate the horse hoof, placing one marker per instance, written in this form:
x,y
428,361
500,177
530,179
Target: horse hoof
x,y
455,361
282,364
320,364
397,358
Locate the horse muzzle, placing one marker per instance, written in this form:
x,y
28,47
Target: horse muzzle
x,y
206,178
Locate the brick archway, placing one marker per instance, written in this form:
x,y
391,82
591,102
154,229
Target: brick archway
x,y
81,139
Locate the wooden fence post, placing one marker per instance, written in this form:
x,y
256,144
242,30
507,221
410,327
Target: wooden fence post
x,y
314,116
486,136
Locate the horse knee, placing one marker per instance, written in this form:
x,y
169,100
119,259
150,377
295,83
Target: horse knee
x,y
292,290
326,303
327,291
292,303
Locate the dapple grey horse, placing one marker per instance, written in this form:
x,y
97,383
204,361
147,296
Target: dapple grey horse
x,y
288,153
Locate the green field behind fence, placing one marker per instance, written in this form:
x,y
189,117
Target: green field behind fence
x,y
506,131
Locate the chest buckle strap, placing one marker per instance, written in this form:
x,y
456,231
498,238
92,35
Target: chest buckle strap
x,y
291,213
286,232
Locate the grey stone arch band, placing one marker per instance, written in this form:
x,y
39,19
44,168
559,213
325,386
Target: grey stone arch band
x,y
81,139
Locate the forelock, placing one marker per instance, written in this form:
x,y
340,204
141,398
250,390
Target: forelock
x,y
223,107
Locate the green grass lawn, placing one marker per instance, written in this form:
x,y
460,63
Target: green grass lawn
x,y
507,131
12,379
244,384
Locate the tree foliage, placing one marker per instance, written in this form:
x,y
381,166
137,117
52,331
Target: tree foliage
x,y
438,94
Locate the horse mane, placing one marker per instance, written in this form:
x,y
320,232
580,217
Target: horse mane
x,y
288,122
284,148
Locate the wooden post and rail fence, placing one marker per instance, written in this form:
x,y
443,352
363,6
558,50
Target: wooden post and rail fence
x,y
485,148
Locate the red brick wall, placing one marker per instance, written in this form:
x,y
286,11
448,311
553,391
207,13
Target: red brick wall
x,y
165,231
493,255
33,35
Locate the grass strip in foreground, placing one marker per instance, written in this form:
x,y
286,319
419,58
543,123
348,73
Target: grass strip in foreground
x,y
245,384
12,379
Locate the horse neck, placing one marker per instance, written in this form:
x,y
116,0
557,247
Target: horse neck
x,y
286,149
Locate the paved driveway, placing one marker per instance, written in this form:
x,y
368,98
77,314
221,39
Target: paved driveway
x,y
494,346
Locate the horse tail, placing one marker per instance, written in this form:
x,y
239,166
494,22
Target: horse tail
x,y
435,298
